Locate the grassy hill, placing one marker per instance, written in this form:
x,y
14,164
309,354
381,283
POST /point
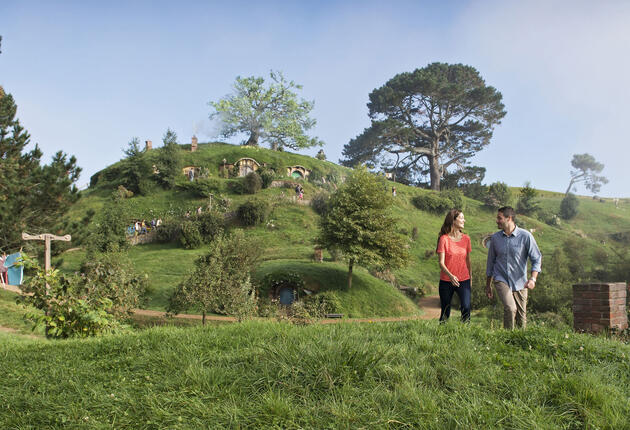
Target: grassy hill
x,y
289,243
268,375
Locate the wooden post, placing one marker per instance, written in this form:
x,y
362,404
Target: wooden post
x,y
47,238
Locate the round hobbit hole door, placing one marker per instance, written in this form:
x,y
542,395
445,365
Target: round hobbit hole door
x,y
286,296
296,175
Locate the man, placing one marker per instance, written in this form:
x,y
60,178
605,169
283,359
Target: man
x,y
507,264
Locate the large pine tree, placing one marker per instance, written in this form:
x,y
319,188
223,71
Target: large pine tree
x,y
33,196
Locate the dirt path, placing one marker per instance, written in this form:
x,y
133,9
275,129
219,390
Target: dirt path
x,y
431,307
429,304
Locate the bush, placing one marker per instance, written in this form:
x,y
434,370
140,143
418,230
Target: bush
x,y
548,217
66,307
113,277
267,177
190,236
498,195
319,202
326,302
456,197
204,187
210,225
433,201
236,186
252,183
569,206
221,280
253,212
169,231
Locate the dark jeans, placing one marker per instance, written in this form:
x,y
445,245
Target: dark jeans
x,y
446,294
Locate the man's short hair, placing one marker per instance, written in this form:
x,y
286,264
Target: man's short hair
x,y
508,212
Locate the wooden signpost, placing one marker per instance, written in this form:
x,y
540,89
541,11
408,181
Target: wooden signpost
x,y
47,238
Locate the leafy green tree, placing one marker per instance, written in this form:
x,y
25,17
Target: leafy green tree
x,y
527,203
33,196
358,222
220,282
321,155
270,112
169,160
498,195
586,169
429,119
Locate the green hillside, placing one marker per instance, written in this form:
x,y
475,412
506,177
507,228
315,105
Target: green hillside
x,y
288,238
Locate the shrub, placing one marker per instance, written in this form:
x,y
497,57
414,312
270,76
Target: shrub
x,y
569,206
432,201
267,177
319,202
71,309
455,196
210,225
253,212
548,217
169,231
498,195
414,233
204,187
221,280
252,183
326,302
113,277
236,185
190,236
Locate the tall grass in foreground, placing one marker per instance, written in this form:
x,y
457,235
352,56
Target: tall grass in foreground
x,y
269,375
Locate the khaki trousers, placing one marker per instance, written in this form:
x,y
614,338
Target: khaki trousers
x,y
514,305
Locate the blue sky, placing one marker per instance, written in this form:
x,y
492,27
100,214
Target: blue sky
x,y
88,76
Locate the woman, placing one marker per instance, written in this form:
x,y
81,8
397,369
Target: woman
x,y
454,254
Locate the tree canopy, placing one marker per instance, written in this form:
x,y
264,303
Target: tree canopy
x,y
358,222
221,280
428,120
586,169
33,196
269,111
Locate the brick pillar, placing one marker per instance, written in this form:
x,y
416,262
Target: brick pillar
x,y
599,306
148,145
193,144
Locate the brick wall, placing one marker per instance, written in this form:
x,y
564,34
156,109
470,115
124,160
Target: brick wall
x,y
599,306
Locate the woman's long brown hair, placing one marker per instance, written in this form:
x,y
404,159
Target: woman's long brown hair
x,y
448,223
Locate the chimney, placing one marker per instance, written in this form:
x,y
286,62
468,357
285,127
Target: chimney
x,y
193,144
148,145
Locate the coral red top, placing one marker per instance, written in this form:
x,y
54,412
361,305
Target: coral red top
x,y
455,256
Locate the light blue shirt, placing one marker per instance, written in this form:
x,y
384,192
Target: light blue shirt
x,y
507,257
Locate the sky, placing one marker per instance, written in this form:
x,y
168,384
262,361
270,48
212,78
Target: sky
x,y
89,76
